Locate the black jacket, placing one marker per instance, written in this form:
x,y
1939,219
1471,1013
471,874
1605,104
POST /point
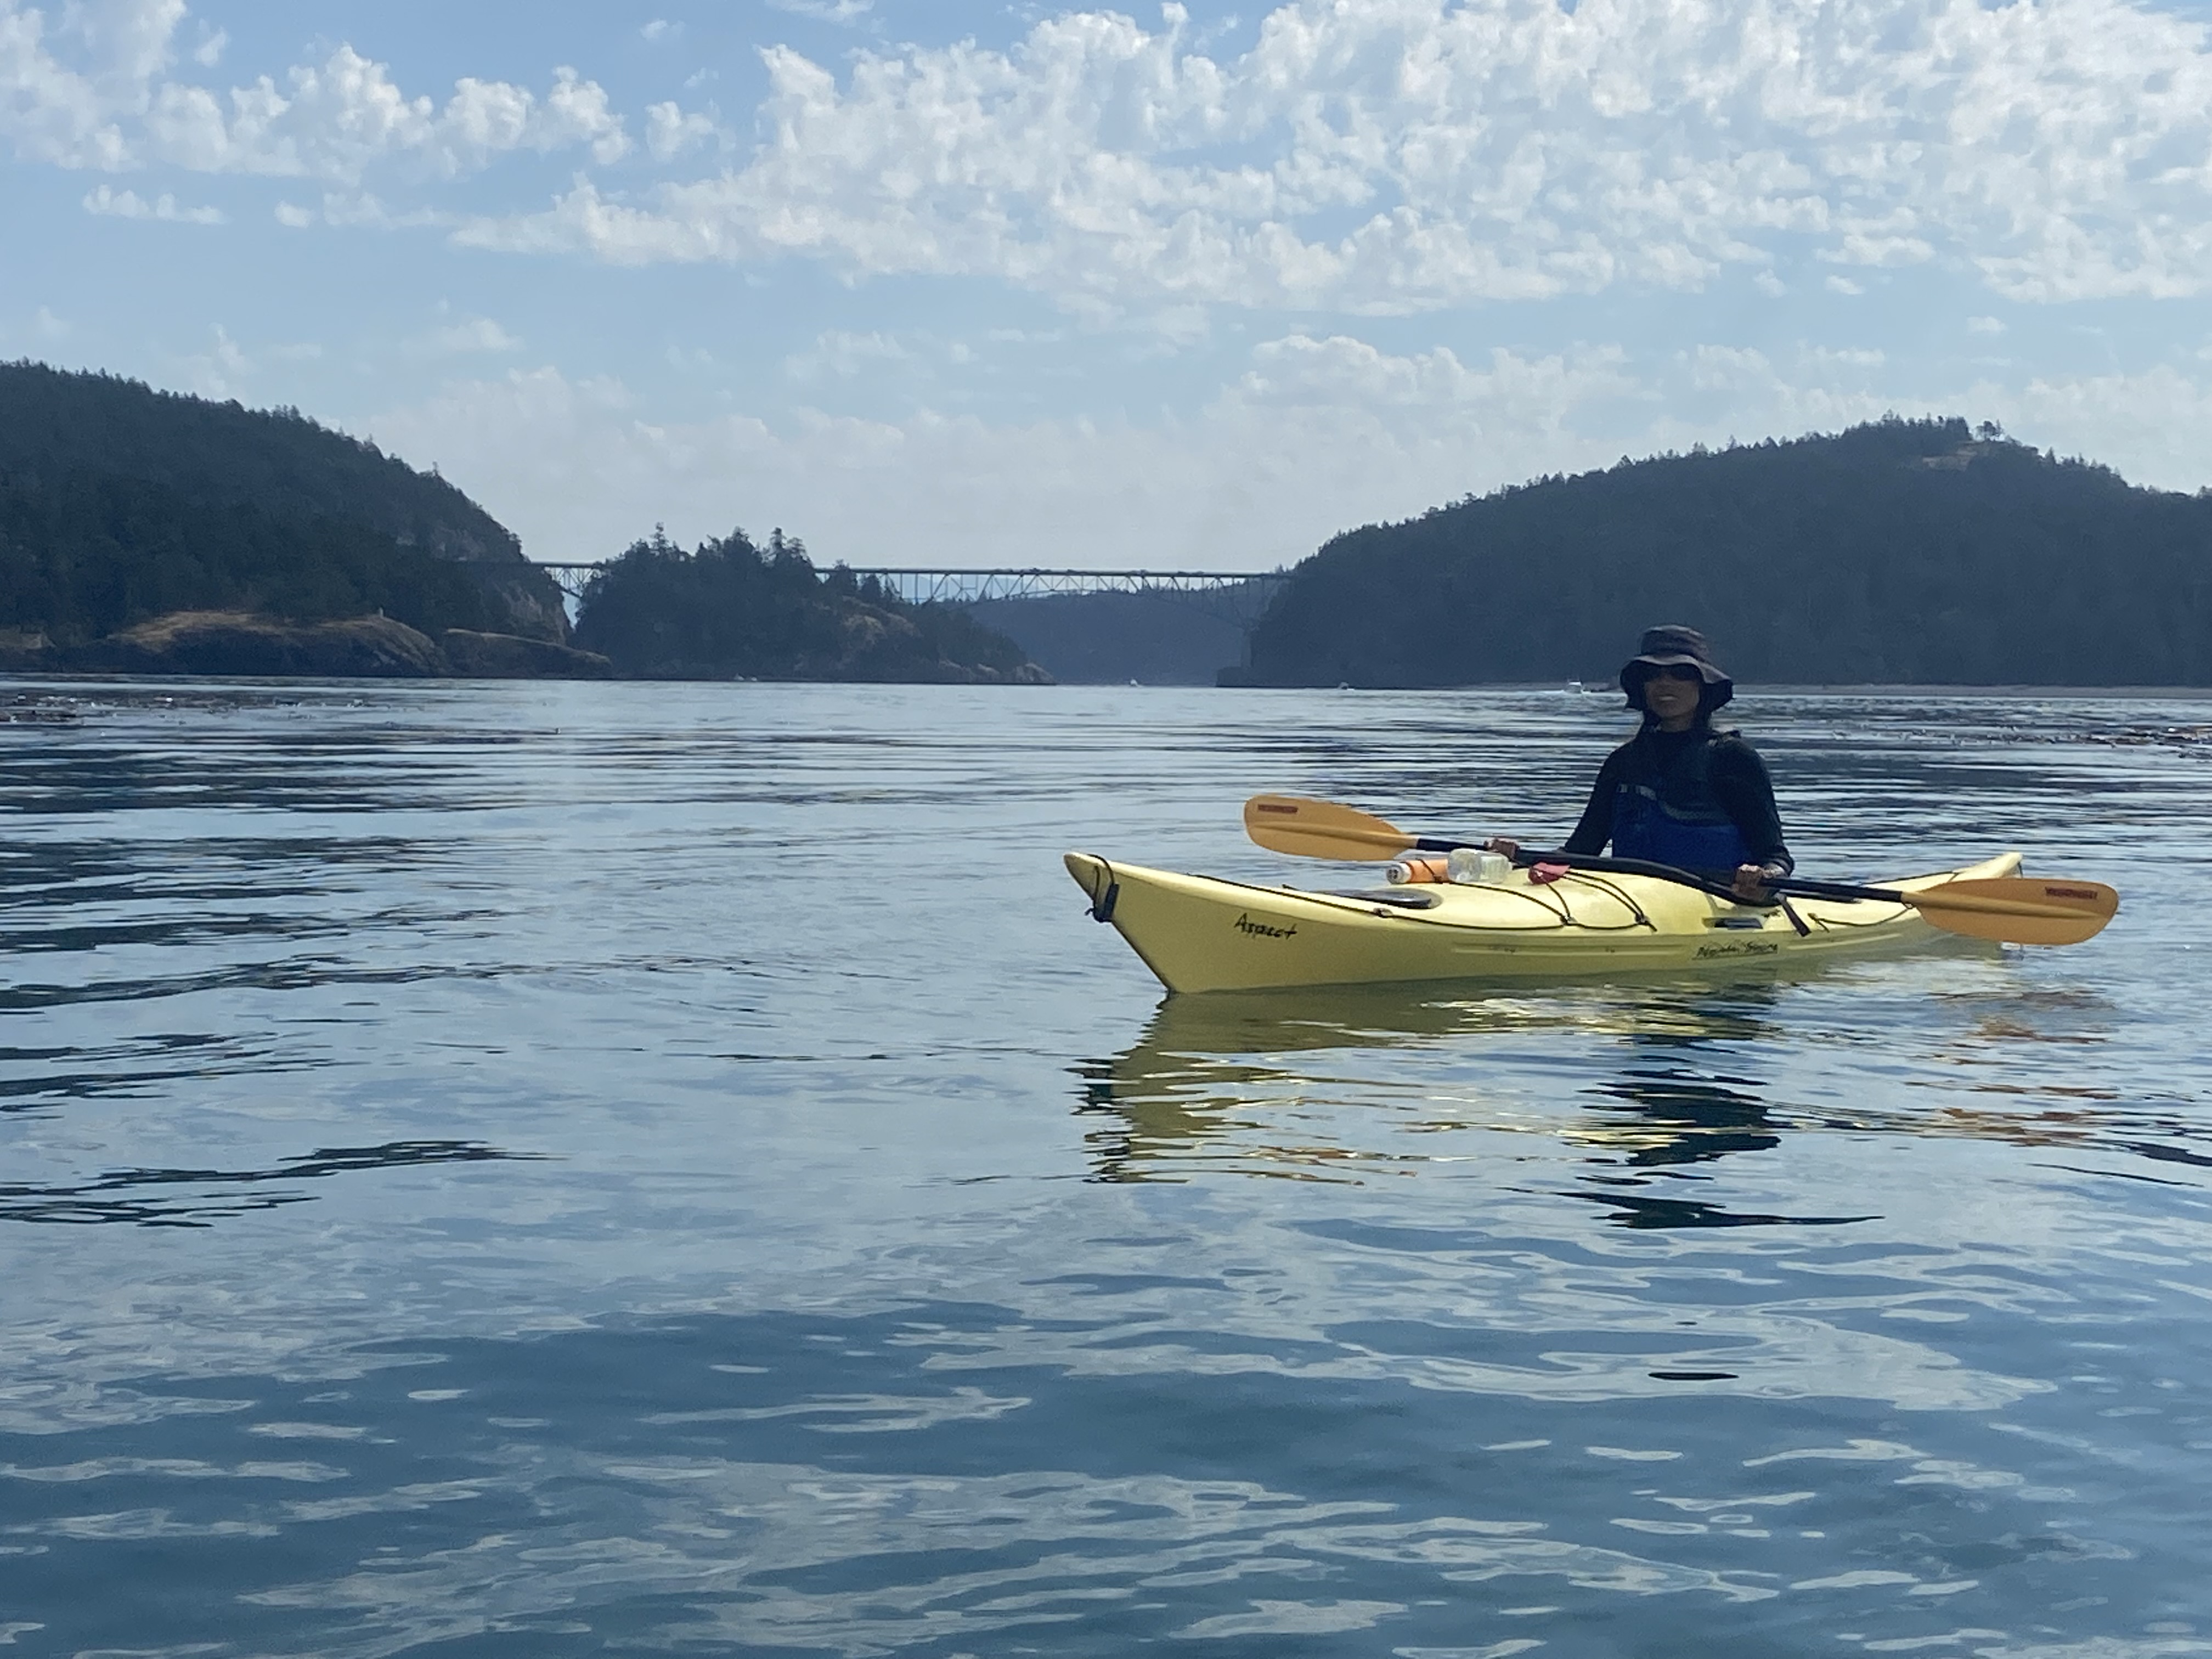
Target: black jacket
x,y
1737,775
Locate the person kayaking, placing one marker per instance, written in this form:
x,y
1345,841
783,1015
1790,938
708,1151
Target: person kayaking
x,y
1680,792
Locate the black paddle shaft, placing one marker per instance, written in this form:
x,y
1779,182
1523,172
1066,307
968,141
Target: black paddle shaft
x,y
1703,881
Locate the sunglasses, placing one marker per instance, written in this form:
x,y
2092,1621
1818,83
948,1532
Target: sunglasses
x,y
1672,672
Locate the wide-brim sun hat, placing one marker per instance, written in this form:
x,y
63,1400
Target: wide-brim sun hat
x,y
1674,646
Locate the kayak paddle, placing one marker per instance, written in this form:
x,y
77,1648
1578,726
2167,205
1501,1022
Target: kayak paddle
x,y
2013,909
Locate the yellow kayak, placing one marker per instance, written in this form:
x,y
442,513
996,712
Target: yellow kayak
x,y
1199,933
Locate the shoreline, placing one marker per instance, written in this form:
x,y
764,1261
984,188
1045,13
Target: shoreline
x,y
19,679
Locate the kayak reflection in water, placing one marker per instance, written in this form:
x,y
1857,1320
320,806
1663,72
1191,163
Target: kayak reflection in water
x,y
1682,792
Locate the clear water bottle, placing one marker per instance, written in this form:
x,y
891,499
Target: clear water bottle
x,y
1471,866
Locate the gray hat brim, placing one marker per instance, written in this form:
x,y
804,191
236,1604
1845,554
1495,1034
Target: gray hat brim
x,y
1710,675
1719,688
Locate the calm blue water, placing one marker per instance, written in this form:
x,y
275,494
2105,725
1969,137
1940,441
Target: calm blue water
x,y
550,1170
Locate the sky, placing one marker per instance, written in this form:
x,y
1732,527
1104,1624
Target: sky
x,y
1190,286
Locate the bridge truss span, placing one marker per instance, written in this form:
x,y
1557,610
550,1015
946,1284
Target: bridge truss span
x,y
1244,591
919,585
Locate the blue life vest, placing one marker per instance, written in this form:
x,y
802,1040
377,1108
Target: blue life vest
x,y
1677,819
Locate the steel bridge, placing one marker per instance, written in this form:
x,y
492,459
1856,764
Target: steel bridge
x,y
1241,594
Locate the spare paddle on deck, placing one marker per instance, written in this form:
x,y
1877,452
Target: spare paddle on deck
x,y
2013,910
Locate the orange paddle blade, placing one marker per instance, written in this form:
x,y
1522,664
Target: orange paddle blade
x,y
1320,829
2020,909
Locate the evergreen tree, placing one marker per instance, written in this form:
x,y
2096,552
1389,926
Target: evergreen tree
x,y
733,608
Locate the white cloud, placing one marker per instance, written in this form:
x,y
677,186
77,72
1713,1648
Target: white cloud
x,y
110,204
669,131
1301,373
845,354
1985,325
221,371
1403,155
1259,478
827,11
210,50
1319,433
358,210
96,92
228,368
1315,435
471,334
1391,156
54,113
337,119
2150,424
131,41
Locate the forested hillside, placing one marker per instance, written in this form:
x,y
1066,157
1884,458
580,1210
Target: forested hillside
x,y
1911,551
733,609
119,503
